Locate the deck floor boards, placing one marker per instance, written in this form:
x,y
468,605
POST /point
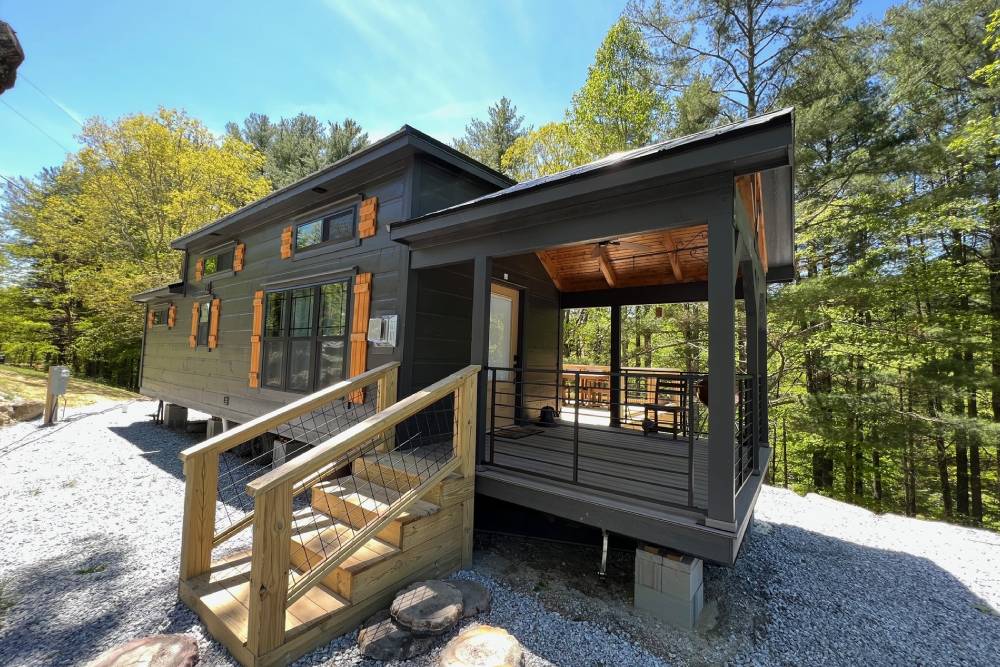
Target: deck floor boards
x,y
615,460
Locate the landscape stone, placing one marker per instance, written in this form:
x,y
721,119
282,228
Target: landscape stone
x,y
476,598
381,638
152,651
427,607
482,646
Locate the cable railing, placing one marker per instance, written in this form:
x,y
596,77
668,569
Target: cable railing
x,y
745,456
634,433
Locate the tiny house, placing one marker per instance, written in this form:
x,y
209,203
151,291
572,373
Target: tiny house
x,y
395,319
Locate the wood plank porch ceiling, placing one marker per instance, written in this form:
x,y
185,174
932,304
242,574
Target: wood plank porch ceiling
x,y
652,258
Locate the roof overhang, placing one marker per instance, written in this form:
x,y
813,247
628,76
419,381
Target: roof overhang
x,y
159,293
350,173
763,144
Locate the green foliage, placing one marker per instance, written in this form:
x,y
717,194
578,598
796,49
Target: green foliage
x,y
547,150
88,235
618,107
489,140
296,147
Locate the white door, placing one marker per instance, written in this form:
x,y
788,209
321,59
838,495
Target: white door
x,y
504,309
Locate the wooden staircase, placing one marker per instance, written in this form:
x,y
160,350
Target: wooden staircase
x,y
365,532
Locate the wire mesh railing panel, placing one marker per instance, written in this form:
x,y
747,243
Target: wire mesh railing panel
x,y
361,487
258,456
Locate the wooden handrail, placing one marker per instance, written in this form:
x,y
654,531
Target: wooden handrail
x,y
313,460
271,420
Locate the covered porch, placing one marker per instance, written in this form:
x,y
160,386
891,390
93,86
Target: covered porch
x,y
660,455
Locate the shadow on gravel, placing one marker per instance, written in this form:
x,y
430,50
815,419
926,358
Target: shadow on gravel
x,y
64,607
159,445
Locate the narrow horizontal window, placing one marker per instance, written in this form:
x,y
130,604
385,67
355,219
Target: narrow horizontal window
x,y
220,261
159,317
333,228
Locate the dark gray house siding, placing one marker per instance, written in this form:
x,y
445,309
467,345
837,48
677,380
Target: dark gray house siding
x,y
217,381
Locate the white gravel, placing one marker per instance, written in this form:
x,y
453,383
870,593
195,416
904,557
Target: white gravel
x,y
88,559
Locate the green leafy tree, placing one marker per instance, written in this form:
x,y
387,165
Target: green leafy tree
x,y
547,150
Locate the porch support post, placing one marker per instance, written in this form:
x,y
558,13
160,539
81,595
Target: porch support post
x,y
482,270
616,366
721,363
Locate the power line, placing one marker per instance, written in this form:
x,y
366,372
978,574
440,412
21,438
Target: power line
x,y
54,101
34,125
16,185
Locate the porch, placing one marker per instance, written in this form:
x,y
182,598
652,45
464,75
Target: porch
x,y
649,453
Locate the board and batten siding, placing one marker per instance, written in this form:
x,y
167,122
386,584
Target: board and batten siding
x,y
203,380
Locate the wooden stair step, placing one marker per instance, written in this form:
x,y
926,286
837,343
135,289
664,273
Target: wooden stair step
x,y
402,471
225,592
316,536
357,502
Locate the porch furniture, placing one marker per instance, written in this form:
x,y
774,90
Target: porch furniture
x,y
669,398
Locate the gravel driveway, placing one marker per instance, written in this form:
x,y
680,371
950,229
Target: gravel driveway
x,y
88,559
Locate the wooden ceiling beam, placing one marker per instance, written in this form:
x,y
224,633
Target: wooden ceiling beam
x,y
551,268
675,261
605,263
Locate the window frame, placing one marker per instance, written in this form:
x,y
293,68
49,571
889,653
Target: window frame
x,y
204,323
159,313
285,339
325,244
216,253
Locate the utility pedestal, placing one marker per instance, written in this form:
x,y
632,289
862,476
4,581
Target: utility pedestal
x,y
668,585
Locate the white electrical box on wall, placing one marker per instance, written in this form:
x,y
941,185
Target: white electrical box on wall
x,y
382,331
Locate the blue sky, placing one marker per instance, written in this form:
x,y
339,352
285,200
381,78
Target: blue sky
x,y
432,64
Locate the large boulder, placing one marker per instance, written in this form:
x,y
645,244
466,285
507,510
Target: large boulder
x,y
152,651
427,607
381,638
476,598
482,646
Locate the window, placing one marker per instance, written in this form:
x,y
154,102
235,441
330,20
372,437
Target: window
x,y
333,228
305,337
159,317
221,261
204,317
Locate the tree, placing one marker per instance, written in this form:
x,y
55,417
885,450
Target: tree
x,y
547,150
296,147
618,106
745,50
97,230
488,140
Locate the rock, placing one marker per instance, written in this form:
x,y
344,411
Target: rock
x,y
21,410
152,651
381,638
476,598
427,607
482,646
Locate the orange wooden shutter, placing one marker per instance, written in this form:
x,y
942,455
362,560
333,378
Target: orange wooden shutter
x,y
199,268
359,329
239,254
193,338
286,242
367,218
149,319
171,316
213,325
255,333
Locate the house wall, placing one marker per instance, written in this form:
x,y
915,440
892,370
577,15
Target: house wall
x,y
217,381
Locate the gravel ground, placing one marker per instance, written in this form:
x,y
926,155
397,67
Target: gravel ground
x,y
88,559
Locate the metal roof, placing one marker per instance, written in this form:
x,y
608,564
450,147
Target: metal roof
x,y
615,159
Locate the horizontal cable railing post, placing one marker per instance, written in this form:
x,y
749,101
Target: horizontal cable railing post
x,y
266,423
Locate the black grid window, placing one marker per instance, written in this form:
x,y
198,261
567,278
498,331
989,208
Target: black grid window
x,y
337,227
204,317
305,337
159,317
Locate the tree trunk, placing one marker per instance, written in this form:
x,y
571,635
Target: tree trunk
x,y
877,476
942,463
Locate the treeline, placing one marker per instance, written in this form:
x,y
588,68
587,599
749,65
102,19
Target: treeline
x,y
80,239
884,354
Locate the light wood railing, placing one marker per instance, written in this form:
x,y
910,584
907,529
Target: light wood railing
x,y
201,464
274,491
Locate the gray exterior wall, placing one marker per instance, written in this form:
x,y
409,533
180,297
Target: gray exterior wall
x,y
217,381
